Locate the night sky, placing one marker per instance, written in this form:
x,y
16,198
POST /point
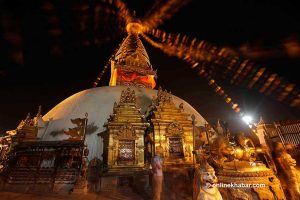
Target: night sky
x,y
50,50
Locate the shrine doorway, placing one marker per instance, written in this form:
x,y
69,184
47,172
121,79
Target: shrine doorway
x,y
126,152
175,147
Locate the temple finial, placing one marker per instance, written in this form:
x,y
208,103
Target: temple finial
x,y
219,127
134,14
261,121
39,113
27,116
131,65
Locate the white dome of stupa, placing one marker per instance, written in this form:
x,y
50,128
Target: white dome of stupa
x,y
98,103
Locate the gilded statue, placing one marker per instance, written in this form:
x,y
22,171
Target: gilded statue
x,y
242,149
221,151
244,141
291,175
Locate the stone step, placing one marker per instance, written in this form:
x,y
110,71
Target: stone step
x,y
125,193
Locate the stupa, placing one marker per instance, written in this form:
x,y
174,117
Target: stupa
x,y
118,125
112,132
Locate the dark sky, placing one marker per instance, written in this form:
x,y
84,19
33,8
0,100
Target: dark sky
x,y
50,50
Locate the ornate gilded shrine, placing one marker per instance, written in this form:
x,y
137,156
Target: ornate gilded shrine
x,y
172,130
29,163
43,166
124,143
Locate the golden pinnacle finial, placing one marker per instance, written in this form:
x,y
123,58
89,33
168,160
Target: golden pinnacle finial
x,y
134,14
135,27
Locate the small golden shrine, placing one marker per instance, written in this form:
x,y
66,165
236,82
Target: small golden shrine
x,y
125,137
172,130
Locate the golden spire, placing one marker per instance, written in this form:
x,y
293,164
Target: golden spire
x,y
131,65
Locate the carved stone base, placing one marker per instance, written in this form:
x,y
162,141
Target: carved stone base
x,y
270,188
109,183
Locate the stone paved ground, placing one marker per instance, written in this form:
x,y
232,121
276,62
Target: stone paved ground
x,y
174,188
124,195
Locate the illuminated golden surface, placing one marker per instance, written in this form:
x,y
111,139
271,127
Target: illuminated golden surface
x,y
270,186
113,77
125,140
131,65
173,132
289,174
135,27
237,164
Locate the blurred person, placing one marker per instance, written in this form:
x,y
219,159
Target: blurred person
x,y
157,176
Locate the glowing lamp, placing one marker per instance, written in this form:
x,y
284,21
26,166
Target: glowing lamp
x,y
235,105
211,82
195,65
221,92
247,119
218,88
237,110
228,100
